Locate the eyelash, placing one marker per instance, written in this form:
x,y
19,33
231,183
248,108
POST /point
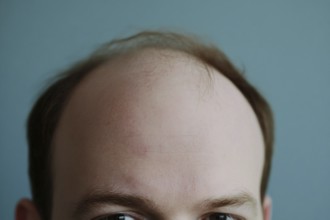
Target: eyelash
x,y
226,215
118,216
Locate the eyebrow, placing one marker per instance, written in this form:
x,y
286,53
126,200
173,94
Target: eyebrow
x,y
240,199
98,198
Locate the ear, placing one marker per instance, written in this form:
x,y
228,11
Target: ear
x,y
26,210
267,208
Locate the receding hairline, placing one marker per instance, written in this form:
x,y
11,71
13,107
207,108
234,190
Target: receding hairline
x,y
150,61
204,76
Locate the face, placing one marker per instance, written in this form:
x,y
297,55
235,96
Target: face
x,y
157,135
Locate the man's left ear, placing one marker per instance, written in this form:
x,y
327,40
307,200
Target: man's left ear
x,y
267,208
26,210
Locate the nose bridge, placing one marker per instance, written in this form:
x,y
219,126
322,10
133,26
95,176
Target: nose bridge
x,y
181,215
180,203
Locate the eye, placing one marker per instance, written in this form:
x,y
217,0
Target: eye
x,y
119,216
221,216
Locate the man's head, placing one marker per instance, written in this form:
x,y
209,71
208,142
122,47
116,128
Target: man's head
x,y
157,126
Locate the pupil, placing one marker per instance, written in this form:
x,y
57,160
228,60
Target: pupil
x,y
218,217
118,217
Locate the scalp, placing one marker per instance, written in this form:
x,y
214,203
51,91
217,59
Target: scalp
x,y
125,83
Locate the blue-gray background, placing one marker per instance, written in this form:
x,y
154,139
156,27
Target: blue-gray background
x,y
283,45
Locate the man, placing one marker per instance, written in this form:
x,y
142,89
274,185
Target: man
x,y
154,126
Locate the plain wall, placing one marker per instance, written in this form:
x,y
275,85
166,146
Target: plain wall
x,y
282,45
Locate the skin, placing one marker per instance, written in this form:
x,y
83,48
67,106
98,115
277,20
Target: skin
x,y
155,134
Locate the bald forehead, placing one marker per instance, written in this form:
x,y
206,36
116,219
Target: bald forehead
x,y
118,92
152,108
131,80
